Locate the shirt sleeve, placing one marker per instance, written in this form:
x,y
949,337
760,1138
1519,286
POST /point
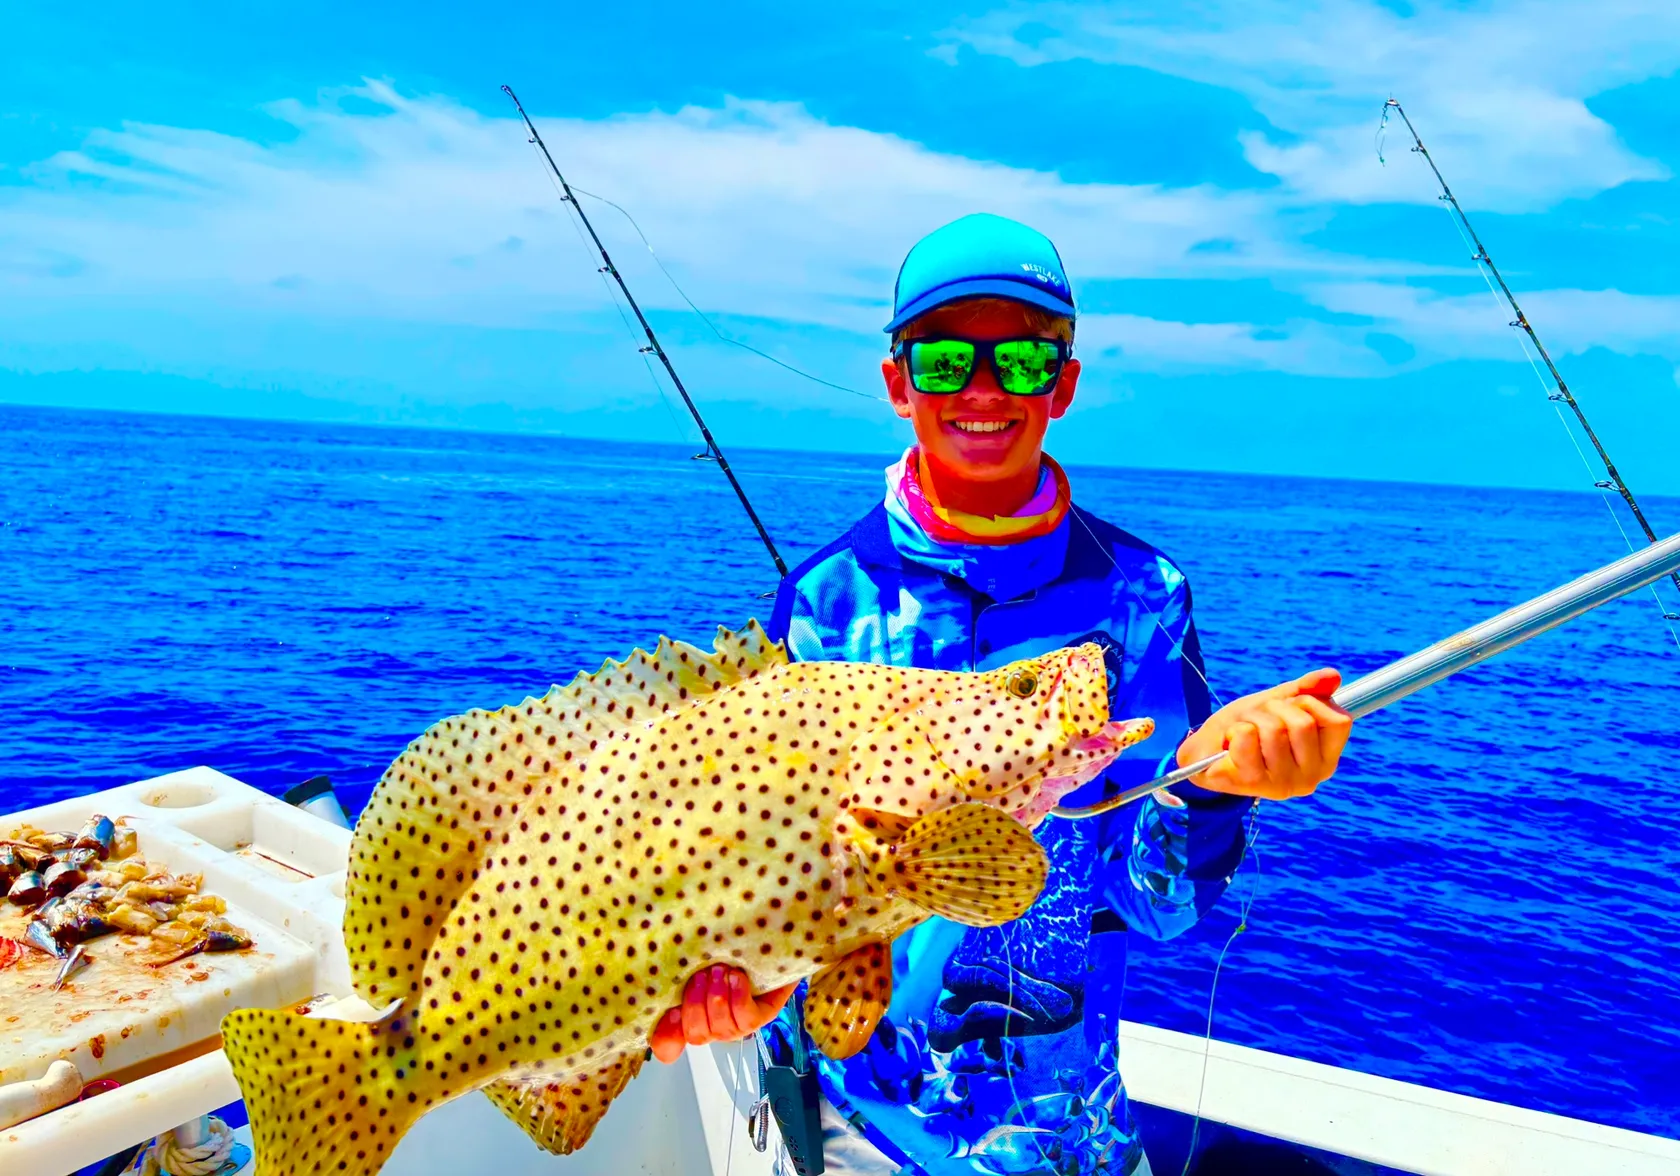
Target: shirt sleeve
x,y
1162,868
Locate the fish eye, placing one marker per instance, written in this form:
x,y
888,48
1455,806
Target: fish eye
x,y
1023,684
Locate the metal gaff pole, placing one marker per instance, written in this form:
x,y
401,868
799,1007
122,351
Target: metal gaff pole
x,y
1458,652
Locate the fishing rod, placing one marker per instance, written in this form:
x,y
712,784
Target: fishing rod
x,y
1481,257
1410,674
653,347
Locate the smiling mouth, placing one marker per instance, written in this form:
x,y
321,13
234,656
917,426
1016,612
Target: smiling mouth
x,y
983,426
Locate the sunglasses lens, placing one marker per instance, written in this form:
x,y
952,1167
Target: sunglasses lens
x,y
1027,367
941,365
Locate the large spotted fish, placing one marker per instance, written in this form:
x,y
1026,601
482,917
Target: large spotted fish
x,y
531,888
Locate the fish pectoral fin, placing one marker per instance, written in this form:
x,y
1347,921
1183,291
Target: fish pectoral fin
x,y
970,863
561,1116
847,999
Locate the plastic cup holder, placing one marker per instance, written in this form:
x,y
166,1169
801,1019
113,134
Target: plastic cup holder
x,y
178,796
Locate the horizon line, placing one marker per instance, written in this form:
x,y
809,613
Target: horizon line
x,y
550,435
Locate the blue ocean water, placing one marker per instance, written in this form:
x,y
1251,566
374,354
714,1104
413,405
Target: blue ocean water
x,y
1484,900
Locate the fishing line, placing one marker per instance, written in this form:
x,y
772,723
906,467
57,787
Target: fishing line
x,y
653,345
1253,822
706,319
1008,930
1602,486
729,1153
612,295
1213,989
1528,336
1177,642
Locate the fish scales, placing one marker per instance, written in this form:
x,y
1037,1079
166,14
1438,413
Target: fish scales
x,y
537,885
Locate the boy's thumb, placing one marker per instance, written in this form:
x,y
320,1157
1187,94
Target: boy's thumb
x,y
1322,683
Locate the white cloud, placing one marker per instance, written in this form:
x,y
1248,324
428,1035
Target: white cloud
x,y
1496,89
423,208
1300,347
418,209
1475,325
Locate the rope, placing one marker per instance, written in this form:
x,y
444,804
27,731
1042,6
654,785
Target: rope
x,y
167,1156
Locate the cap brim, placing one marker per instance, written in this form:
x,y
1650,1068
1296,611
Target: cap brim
x,y
1004,288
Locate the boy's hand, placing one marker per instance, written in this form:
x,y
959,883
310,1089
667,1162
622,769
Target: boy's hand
x,y
718,1005
1284,742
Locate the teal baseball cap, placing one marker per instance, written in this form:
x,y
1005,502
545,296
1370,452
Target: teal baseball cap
x,y
980,256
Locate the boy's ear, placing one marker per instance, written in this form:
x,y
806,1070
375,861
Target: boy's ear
x,y
1062,397
897,387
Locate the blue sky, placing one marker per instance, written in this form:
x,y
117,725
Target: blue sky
x,y
330,213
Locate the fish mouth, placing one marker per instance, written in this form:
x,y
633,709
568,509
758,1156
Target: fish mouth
x,y
992,1000
1102,748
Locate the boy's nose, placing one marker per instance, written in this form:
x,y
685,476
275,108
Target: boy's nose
x,y
983,389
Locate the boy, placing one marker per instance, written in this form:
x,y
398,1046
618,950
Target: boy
x,y
998,1053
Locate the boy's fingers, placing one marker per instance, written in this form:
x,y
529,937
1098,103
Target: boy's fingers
x,y
743,1008
1274,743
694,1020
720,1019
1334,727
1302,726
667,1038
1321,683
769,1004
1245,765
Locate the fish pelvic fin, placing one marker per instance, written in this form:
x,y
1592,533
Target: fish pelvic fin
x,y
462,785
970,863
561,1116
325,1098
847,1000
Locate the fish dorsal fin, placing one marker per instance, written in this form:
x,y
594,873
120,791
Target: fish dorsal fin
x,y
646,686
459,789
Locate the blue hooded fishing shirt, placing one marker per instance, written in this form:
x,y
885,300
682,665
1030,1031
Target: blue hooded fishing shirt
x,y
999,1051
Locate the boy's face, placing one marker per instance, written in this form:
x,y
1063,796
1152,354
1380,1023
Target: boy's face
x,y
945,424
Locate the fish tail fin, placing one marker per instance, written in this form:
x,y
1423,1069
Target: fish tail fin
x,y
324,1097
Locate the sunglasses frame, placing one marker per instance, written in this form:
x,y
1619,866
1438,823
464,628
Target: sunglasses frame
x,y
988,348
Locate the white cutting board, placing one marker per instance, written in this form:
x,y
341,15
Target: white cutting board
x,y
120,1018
